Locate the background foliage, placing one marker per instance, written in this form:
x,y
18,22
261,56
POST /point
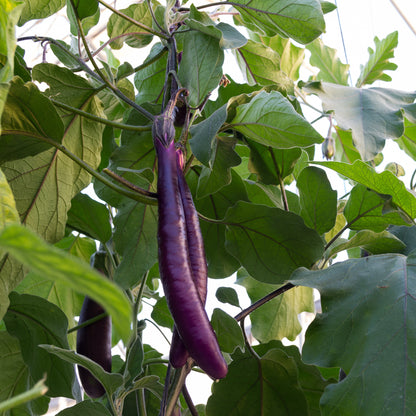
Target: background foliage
x,y
268,210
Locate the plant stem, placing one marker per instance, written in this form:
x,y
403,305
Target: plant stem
x,y
262,301
101,120
248,345
86,323
189,402
134,22
177,384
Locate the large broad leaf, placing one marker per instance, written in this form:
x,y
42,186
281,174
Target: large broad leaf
x,y
408,141
274,381
15,378
318,200
49,261
270,243
302,21
218,174
271,120
118,26
373,114
379,62
383,183
365,210
331,69
29,122
203,141
90,218
149,81
35,321
109,381
261,65
277,318
85,408
39,9
345,151
8,211
366,328
201,66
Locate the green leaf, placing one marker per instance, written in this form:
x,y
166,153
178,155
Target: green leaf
x,y
373,114
85,8
369,346
379,61
221,264
49,261
255,386
35,321
327,6
118,25
302,21
218,175
270,165
149,81
277,318
134,362
161,313
15,378
8,211
89,14
345,151
270,243
365,210
407,235
227,295
331,69
408,141
89,217
318,200
85,408
39,9
201,66
29,122
383,183
228,331
271,120
261,65
110,381
203,141
373,243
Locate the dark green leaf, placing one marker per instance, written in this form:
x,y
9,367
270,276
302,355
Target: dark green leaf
x,y
228,331
89,217
277,318
271,120
373,114
407,235
203,141
35,321
218,175
318,200
201,66
259,386
20,67
379,61
302,21
331,69
85,8
270,165
134,362
149,81
364,210
227,295
49,261
118,25
161,314
384,183
15,378
368,330
110,381
269,242
29,122
261,65
85,408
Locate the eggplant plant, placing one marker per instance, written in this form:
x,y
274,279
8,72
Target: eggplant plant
x,y
133,184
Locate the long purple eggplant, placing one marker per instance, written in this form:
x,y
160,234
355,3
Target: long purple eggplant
x,y
178,352
182,296
94,341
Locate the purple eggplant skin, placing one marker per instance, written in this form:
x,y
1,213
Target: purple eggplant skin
x,y
182,296
178,353
94,341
